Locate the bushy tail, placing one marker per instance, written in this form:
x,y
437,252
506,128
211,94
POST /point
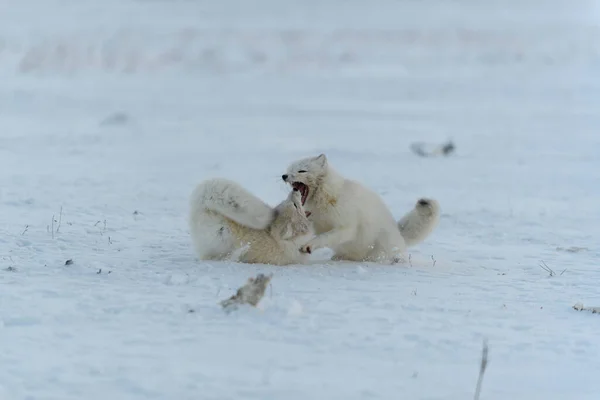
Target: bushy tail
x,y
231,200
419,222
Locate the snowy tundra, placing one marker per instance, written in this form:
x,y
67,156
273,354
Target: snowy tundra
x,y
111,112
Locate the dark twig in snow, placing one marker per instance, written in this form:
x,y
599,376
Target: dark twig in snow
x,y
483,366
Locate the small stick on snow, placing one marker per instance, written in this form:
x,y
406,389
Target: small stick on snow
x,y
26,227
433,260
52,231
484,361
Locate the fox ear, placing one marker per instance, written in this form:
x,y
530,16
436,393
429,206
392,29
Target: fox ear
x,y
321,159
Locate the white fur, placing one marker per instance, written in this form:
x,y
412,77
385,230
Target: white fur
x,y
352,220
419,222
226,221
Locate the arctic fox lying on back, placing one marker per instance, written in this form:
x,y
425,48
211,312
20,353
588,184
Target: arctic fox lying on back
x,y
225,220
351,219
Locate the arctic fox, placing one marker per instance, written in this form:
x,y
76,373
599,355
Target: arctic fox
x,y
228,221
351,219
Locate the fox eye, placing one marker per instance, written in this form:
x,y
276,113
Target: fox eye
x,y
295,206
302,171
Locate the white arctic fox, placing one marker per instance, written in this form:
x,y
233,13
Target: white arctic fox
x,y
225,220
351,219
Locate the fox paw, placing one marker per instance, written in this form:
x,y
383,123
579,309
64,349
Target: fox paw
x,y
305,249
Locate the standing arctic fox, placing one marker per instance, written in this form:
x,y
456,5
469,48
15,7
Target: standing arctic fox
x,y
225,219
351,219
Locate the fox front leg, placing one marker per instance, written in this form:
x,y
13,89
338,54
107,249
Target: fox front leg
x,y
331,239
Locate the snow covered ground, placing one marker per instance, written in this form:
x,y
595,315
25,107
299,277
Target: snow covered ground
x,y
111,111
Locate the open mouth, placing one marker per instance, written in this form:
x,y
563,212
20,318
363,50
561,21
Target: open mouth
x,y
303,190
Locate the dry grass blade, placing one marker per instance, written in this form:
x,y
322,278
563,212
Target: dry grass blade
x,y
547,268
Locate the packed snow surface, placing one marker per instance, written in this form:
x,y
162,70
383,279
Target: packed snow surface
x,y
111,111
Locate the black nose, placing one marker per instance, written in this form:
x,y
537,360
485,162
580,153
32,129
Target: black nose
x,y
284,177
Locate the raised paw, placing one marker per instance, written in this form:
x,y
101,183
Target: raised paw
x,y
305,249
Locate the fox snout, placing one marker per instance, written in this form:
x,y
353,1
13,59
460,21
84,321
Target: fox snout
x,y
284,177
